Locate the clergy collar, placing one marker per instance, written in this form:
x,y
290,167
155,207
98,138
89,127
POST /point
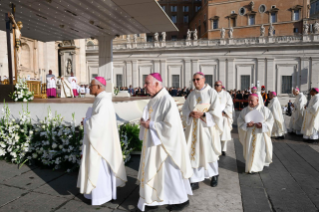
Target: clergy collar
x,y
157,92
205,86
101,95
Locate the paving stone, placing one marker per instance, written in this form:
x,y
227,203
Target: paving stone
x,y
9,170
8,194
33,179
64,186
34,202
77,206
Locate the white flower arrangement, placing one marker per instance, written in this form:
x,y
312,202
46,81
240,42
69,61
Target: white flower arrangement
x,y
49,143
22,93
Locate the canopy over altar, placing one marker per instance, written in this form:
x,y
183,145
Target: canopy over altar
x,y
59,20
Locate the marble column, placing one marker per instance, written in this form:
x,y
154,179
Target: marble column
x,y
304,75
315,72
106,60
135,74
230,74
222,72
129,72
163,71
188,73
261,71
271,76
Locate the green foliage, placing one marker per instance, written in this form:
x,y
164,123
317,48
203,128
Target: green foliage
x,y
132,131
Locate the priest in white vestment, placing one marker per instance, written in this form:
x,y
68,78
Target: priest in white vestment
x,y
227,107
203,116
260,98
73,81
310,126
66,89
255,124
298,110
51,85
165,166
102,166
279,128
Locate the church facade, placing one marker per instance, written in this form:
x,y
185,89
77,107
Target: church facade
x,y
280,63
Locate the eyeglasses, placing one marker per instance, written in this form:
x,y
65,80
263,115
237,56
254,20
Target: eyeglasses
x,y
216,85
197,79
92,85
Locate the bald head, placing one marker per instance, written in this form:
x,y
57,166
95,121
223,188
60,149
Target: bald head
x,y
253,101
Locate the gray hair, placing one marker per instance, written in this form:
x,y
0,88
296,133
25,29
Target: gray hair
x,y
99,83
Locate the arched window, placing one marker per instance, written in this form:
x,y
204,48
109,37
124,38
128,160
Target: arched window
x,y
90,45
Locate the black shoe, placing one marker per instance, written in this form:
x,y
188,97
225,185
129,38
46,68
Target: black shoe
x,y
282,137
223,153
151,207
178,207
214,181
195,186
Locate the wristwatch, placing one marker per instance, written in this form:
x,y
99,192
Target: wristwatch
x,y
204,115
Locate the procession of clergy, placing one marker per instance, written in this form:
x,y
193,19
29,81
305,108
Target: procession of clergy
x,y
69,87
175,158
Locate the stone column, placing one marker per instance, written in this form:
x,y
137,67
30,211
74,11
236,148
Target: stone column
x,y
222,72
129,73
315,72
260,73
230,74
156,66
106,60
271,76
304,73
195,67
135,74
163,72
188,73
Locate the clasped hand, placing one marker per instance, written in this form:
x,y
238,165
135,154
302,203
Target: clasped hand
x,y
251,124
196,114
145,124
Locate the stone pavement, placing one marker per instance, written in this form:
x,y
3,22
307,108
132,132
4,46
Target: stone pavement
x,y
291,183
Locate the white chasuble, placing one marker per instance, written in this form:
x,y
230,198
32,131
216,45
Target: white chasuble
x,y
66,89
203,135
310,126
165,165
279,128
73,82
101,149
51,83
295,124
257,145
227,107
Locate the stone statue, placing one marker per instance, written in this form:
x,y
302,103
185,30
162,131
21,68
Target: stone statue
x,y
262,31
231,30
316,27
69,67
164,36
222,33
252,4
156,37
128,39
135,38
195,35
18,42
271,30
189,34
305,28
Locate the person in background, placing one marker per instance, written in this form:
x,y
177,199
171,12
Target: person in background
x,y
131,90
51,85
73,81
289,108
82,91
